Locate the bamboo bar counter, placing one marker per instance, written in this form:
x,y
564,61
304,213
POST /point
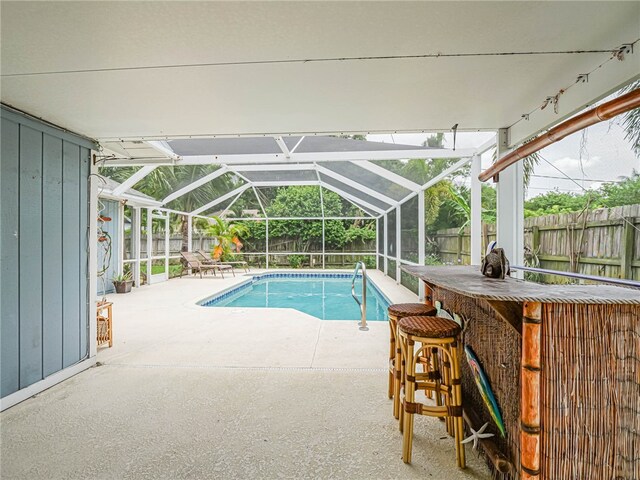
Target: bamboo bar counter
x,y
563,362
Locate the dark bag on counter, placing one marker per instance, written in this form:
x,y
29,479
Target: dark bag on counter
x,y
495,264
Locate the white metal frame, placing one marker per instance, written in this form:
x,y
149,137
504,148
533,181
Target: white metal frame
x,y
289,160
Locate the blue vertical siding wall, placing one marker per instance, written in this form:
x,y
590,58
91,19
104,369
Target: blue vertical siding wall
x,y
111,209
44,317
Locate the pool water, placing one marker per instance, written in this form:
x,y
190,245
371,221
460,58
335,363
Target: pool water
x,y
325,297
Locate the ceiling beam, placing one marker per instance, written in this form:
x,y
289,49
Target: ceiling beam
x,y
283,146
133,179
272,167
353,199
192,186
389,175
285,183
358,186
221,199
163,147
262,158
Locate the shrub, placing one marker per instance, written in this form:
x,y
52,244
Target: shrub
x,y
296,261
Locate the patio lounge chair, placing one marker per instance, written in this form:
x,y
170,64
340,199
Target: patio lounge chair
x,y
208,259
194,263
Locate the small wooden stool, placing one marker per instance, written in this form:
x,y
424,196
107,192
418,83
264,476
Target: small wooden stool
x,y
105,323
437,336
396,312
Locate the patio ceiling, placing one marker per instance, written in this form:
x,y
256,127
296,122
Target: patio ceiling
x,y
167,70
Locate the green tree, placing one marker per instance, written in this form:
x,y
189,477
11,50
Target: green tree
x,y
304,201
626,192
631,120
555,202
227,236
164,180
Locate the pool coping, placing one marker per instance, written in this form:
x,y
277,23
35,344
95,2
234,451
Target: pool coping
x,y
233,289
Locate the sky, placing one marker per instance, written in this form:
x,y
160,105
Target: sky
x,y
606,156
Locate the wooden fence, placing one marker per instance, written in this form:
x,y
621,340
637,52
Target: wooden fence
x,y
603,242
253,250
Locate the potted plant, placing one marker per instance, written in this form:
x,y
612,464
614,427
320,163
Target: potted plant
x,y
122,282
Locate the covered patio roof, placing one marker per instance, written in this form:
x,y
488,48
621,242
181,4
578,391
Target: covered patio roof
x,y
342,165
168,70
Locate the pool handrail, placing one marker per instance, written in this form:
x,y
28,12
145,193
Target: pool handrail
x,y
363,305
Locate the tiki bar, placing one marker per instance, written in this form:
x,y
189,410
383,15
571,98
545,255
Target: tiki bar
x,y
563,365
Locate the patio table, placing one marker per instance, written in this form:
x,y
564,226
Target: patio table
x,y
564,364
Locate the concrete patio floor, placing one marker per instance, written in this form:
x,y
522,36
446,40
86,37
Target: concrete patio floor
x,y
196,392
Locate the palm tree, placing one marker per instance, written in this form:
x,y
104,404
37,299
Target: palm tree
x,y
226,236
631,120
164,180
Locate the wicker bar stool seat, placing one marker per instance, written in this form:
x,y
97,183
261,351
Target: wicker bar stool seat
x,y
396,312
418,337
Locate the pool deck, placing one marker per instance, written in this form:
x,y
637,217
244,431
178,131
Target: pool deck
x,y
196,392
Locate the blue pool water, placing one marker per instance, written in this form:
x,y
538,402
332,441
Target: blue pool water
x,y
325,296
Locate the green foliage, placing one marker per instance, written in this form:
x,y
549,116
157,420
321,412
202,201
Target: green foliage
x,y
369,262
631,120
454,209
553,203
304,201
225,234
359,234
627,192
121,278
296,261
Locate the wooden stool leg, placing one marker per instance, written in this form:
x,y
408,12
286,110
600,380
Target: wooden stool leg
x,y
446,380
428,367
392,356
437,370
397,381
110,325
409,388
456,395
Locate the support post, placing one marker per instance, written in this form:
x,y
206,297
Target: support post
x,y
421,239
93,257
476,211
323,218
167,240
136,229
628,242
266,243
377,244
189,238
535,239
530,390
510,208
386,244
120,229
149,243
398,246
323,248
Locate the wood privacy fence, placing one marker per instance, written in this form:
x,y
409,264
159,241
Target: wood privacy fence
x,y
256,248
603,242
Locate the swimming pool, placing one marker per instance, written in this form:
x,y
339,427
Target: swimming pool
x,y
326,296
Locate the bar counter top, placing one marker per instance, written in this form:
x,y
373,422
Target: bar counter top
x,y
467,280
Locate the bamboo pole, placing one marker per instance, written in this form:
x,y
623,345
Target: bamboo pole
x,y
530,391
606,111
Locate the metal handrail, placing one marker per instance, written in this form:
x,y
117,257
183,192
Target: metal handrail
x,y
363,304
580,276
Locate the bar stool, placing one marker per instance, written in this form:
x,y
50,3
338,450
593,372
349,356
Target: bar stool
x,y
396,312
439,335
